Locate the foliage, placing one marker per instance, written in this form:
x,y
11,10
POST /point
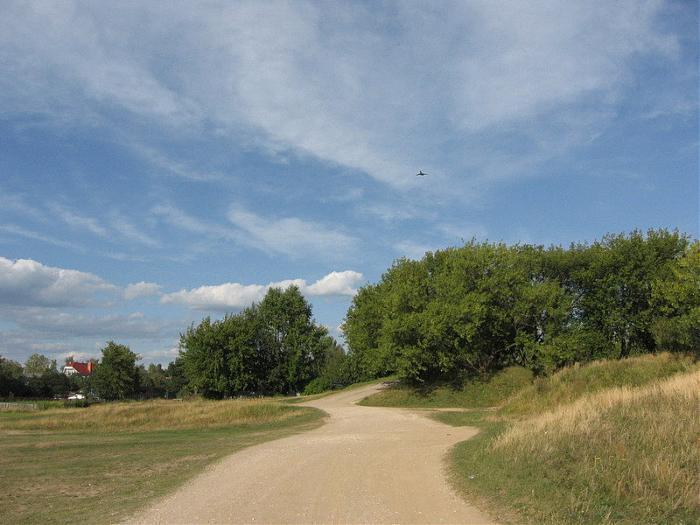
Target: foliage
x,y
469,311
272,347
117,376
12,380
38,364
678,301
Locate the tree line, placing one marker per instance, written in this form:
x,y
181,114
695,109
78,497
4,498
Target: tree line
x,y
484,306
274,347
454,314
117,376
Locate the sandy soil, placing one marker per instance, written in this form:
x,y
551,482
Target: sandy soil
x,y
365,465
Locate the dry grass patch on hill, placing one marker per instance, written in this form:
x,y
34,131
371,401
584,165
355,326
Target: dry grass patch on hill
x,y
569,384
622,455
639,447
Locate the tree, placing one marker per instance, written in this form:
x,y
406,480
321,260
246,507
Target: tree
x,y
677,299
117,376
37,365
273,347
12,380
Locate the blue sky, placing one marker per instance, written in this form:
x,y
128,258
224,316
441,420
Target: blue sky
x,y
161,162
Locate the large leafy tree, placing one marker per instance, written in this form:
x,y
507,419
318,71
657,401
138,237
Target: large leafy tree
x,y
273,347
677,300
117,376
484,306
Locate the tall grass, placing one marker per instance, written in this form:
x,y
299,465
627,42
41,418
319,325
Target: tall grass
x,y
153,415
573,382
628,454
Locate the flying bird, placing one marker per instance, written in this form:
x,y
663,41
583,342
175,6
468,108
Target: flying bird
x,y
421,174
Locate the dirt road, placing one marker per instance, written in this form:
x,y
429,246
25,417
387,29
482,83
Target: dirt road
x,y
365,465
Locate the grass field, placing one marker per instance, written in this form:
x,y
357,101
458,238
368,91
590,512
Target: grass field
x,y
97,465
608,442
476,394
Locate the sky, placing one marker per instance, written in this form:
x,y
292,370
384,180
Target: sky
x,y
161,162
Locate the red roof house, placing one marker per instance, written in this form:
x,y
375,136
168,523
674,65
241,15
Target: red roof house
x,y
76,367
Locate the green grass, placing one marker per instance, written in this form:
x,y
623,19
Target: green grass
x,y
627,452
73,472
310,397
573,382
475,394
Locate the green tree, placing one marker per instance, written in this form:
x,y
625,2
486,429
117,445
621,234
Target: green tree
x,y
37,365
677,299
117,376
613,280
12,379
273,347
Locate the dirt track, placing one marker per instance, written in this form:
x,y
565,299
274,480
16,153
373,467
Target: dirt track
x,y
365,465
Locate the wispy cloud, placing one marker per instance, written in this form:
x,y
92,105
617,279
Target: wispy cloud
x,y
141,289
173,167
458,72
75,219
290,235
129,231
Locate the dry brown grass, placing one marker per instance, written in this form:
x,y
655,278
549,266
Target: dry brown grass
x,y
154,415
633,446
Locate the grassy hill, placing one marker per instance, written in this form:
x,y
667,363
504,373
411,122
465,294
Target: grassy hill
x,y
477,394
606,442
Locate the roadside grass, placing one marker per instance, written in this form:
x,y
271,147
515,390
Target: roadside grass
x,y
605,442
573,382
475,394
622,455
310,397
100,464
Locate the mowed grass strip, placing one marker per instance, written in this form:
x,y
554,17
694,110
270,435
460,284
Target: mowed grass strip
x,y
474,394
98,465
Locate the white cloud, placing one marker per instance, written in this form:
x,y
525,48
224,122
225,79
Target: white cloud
x,y
289,235
141,289
336,283
224,296
327,80
235,296
25,282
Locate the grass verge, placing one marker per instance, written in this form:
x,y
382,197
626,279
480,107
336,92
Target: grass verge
x,y
625,451
475,394
98,465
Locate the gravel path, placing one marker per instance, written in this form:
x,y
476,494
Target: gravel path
x,y
365,465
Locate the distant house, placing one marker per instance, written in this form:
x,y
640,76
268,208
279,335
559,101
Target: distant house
x,y
76,367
